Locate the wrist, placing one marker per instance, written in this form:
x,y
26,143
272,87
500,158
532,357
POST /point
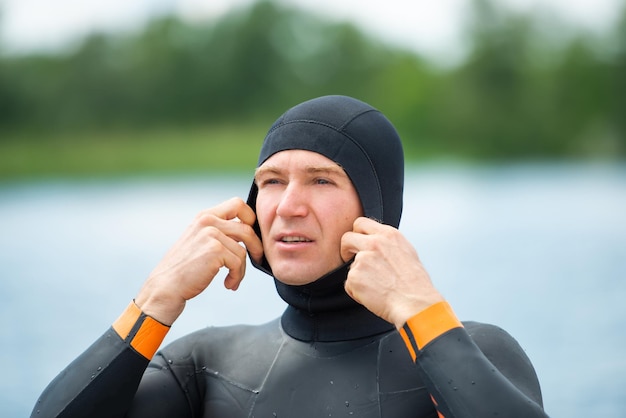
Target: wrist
x,y
163,309
425,326
143,333
403,312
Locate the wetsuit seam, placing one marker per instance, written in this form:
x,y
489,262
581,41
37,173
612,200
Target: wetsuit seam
x,y
393,392
411,338
267,374
135,329
340,128
437,371
439,392
215,374
355,116
378,361
180,385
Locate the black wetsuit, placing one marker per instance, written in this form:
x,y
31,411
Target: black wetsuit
x,y
331,363
327,356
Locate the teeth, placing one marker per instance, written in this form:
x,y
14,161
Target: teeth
x,y
295,239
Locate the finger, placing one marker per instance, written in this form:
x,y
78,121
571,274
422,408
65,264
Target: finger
x,y
356,240
349,290
226,210
241,232
222,216
351,244
245,213
232,282
234,208
233,257
254,246
364,225
249,237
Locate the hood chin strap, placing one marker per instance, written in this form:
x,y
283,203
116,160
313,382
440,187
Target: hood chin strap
x,y
323,311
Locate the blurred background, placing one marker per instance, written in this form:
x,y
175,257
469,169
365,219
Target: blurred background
x,y
497,81
118,122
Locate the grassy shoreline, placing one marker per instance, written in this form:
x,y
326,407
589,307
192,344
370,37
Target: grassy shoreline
x,y
123,152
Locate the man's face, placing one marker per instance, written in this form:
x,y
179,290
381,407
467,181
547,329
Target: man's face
x,y
306,202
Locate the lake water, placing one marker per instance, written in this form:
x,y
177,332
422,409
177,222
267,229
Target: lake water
x,y
539,249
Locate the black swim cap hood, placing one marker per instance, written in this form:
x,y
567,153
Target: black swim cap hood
x,y
357,137
366,145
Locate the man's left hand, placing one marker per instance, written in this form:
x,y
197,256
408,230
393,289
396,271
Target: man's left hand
x,y
386,276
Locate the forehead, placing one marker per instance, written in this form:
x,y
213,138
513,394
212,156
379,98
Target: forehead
x,y
299,160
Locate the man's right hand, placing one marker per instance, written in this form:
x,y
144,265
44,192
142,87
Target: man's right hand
x,y
211,242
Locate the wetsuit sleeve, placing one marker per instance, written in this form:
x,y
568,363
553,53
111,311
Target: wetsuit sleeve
x,y
482,374
103,380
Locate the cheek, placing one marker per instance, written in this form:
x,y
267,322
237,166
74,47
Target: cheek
x,y
352,210
344,223
263,214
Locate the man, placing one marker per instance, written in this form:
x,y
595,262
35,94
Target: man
x,y
365,333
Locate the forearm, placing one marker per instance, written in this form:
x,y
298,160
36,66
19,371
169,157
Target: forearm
x,y
103,380
460,377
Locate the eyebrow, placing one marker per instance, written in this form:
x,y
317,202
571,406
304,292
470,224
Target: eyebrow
x,y
335,169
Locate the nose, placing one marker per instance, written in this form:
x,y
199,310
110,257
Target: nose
x,y
293,201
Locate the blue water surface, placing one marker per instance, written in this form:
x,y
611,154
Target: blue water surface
x,y
538,249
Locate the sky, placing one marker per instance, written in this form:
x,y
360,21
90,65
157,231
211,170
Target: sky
x,y
429,27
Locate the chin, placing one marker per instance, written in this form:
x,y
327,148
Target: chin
x,y
297,276
298,280
295,272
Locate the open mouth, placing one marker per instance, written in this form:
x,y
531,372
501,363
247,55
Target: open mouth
x,y
295,239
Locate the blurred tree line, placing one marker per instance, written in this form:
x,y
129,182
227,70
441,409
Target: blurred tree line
x,y
521,91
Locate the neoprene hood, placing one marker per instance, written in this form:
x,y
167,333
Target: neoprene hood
x,y
357,137
365,144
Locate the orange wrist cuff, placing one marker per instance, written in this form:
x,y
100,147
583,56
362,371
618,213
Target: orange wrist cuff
x,y
427,325
143,333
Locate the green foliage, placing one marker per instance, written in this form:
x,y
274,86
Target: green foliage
x,y
520,92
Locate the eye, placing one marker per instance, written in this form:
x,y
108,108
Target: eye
x,y
268,182
322,181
